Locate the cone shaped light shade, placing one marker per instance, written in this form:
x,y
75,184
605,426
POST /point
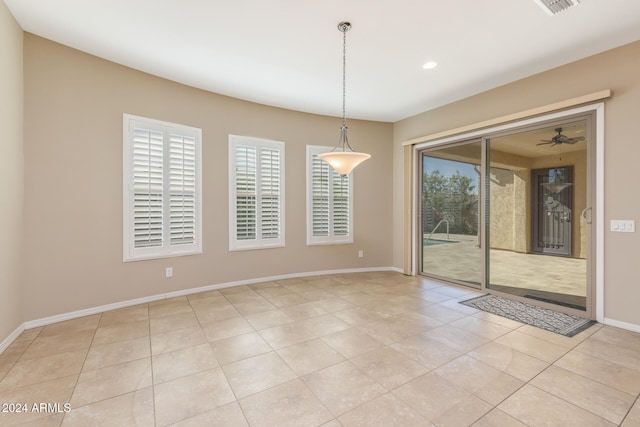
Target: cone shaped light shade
x,y
343,162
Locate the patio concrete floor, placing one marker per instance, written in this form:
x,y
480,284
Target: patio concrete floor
x,y
462,261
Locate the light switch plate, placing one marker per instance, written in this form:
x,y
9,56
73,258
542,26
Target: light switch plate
x,y
623,226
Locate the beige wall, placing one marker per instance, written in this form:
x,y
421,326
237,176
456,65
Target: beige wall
x,y
11,172
617,70
506,232
73,184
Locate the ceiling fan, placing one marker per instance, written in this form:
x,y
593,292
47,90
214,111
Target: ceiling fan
x,y
560,139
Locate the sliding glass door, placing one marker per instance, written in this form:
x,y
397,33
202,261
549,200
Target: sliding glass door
x,y
537,185
510,213
450,219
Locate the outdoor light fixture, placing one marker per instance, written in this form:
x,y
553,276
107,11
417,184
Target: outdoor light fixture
x,y
343,158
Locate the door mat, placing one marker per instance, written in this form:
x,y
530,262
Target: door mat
x,y
543,318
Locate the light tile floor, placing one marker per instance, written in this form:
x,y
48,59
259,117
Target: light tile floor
x,y
369,349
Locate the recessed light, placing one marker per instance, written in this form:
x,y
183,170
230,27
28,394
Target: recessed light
x,y
430,65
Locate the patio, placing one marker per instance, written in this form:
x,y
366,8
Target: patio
x,y
459,257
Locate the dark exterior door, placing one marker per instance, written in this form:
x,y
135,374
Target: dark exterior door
x,y
552,210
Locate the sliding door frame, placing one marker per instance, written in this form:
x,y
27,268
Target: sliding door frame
x,y
596,187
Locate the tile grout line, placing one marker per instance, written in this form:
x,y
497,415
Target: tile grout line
x,y
635,402
81,368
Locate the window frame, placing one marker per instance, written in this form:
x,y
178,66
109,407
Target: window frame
x,y
166,249
331,238
259,242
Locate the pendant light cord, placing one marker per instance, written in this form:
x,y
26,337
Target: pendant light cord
x,y
344,76
344,139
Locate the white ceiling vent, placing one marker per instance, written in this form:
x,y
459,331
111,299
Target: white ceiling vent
x,y
555,6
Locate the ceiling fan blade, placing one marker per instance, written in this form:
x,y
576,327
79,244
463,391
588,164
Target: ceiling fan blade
x,y
547,142
574,140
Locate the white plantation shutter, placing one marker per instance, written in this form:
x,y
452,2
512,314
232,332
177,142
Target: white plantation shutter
x,y
161,189
246,167
182,192
329,201
256,193
147,188
270,193
320,171
341,205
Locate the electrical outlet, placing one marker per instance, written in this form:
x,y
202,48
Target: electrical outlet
x,y
168,272
360,253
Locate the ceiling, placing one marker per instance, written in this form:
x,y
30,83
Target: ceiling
x,y
530,143
288,53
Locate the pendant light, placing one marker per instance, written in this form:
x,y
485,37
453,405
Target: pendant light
x,y
343,158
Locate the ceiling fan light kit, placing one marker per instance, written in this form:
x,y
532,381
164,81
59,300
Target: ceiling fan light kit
x,y
561,139
343,159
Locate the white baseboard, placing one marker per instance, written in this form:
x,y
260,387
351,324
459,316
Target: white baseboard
x,y
90,311
11,338
123,304
622,325
273,278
